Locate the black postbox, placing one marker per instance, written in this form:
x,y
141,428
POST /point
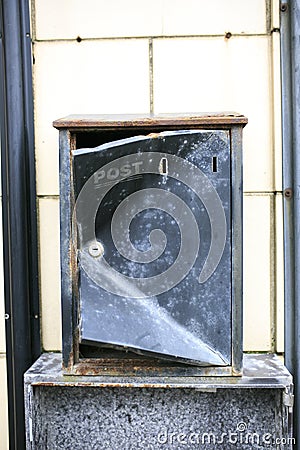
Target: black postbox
x,y
151,244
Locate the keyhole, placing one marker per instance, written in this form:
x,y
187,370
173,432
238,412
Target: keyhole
x,y
163,166
215,164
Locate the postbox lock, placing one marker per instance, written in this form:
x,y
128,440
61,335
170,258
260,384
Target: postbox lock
x,y
96,249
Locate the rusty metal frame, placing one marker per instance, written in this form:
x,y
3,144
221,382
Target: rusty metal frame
x,y
69,127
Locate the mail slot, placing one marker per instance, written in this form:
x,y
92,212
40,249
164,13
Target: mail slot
x,y
151,244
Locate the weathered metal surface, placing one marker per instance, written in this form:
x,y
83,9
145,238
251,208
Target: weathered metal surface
x,y
237,248
170,297
262,371
66,248
149,367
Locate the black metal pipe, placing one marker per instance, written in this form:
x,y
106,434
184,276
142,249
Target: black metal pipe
x,y
19,208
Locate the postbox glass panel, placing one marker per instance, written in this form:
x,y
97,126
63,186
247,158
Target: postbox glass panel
x,y
152,230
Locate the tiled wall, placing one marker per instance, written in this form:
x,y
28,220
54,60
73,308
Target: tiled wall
x,y
120,56
167,56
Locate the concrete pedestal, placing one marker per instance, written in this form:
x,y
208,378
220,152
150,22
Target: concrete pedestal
x,y
118,412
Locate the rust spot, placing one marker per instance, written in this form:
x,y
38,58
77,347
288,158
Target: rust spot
x,y
288,193
283,7
139,366
153,135
117,366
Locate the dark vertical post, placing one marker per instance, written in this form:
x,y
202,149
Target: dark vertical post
x,y
290,76
19,208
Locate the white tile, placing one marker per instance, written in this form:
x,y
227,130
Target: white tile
x,y
97,18
194,17
50,273
279,275
192,75
84,78
257,273
101,19
4,406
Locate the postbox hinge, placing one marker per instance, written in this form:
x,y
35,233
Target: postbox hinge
x,y
30,430
288,398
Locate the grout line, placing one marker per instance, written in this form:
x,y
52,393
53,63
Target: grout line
x,y
151,75
261,193
48,196
116,38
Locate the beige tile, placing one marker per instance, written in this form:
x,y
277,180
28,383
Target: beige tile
x,y
133,18
279,275
257,275
275,13
97,18
194,17
50,273
84,78
2,309
4,406
277,119
221,75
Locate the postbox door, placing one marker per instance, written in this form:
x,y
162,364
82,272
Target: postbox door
x,y
152,229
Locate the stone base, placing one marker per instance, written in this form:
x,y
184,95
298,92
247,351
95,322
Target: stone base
x,y
111,413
